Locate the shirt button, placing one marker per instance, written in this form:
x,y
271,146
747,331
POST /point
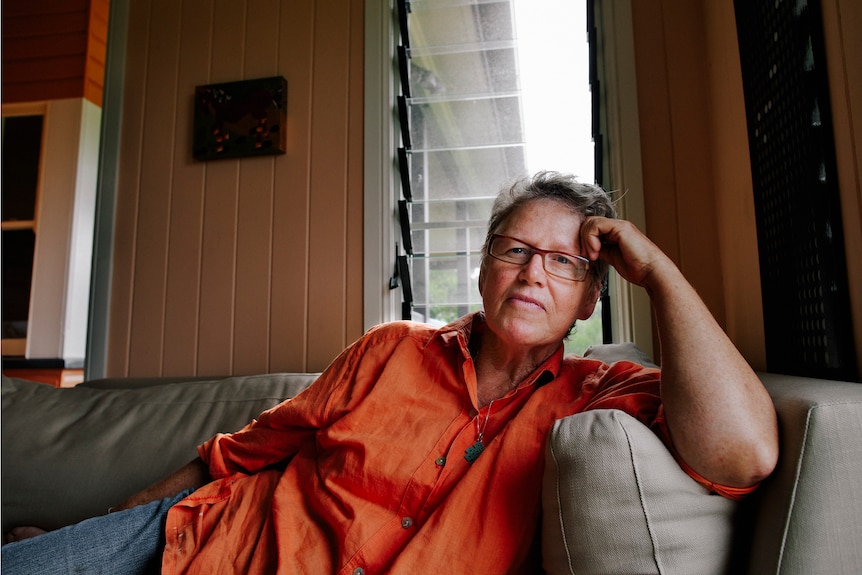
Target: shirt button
x,y
406,523
359,571
441,461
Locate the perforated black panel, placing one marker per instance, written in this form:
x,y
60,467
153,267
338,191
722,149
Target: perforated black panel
x,y
800,238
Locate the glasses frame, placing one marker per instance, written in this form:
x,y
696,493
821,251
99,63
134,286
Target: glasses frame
x,y
544,254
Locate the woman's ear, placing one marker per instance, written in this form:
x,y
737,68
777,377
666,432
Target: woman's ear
x,y
591,299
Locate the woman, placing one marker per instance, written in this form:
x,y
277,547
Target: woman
x,y
421,449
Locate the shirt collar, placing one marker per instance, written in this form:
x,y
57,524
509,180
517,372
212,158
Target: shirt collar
x,y
458,333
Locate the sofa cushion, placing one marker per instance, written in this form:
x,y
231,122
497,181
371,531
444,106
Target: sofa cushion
x,y
613,352
809,517
615,501
103,443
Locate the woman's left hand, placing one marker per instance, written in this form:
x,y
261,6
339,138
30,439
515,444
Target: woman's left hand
x,y
623,246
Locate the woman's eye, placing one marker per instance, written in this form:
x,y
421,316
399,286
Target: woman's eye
x,y
518,251
562,260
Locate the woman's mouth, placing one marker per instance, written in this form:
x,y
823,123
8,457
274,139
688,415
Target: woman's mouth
x,y
526,302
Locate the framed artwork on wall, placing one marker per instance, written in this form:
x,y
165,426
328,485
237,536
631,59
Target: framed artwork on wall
x,y
240,119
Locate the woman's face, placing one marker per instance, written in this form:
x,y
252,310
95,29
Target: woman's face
x,y
524,305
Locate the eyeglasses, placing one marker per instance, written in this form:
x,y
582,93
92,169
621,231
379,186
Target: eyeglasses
x,y
560,264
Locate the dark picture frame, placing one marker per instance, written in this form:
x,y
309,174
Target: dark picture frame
x,y
240,119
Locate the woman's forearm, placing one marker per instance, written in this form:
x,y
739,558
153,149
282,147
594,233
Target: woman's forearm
x,y
191,476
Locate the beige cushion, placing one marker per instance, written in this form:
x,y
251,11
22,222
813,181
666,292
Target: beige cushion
x,y
809,520
615,501
68,454
613,352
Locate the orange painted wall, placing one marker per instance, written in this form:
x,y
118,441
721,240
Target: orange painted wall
x,y
249,265
54,50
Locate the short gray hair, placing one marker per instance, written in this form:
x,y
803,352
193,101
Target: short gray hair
x,y
582,199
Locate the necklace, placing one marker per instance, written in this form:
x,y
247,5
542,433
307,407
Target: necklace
x,y
473,452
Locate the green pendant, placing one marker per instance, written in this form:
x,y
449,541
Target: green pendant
x,y
474,451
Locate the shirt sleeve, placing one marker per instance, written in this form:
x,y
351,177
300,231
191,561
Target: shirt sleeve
x,y
636,390
280,432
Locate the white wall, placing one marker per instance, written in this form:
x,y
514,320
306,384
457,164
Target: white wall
x,y
64,228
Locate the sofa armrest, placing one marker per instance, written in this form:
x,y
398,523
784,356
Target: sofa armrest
x,y
614,500
809,515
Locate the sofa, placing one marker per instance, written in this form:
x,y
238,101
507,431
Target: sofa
x,y
614,500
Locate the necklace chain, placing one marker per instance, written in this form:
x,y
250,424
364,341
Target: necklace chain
x,y
480,433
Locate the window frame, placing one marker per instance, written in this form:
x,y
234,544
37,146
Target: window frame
x,y
14,347
631,315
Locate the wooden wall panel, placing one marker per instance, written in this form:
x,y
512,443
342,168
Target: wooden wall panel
x,y
54,50
128,176
97,44
218,264
841,22
254,224
154,201
329,116
699,254
657,146
731,176
182,297
673,103
239,264
218,267
290,259
354,314
695,152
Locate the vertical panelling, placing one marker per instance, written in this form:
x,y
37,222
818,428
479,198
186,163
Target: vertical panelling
x,y
355,174
182,293
841,21
250,265
218,266
327,269
254,223
154,203
123,280
733,185
254,245
657,146
290,258
672,99
688,83
218,260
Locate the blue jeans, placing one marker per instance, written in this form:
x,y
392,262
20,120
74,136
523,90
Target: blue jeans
x,y
126,542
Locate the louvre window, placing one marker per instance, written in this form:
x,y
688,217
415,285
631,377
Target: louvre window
x,y
463,135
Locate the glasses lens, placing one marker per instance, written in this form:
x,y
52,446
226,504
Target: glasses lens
x,y
565,266
510,250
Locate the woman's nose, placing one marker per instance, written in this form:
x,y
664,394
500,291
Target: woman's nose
x,y
534,270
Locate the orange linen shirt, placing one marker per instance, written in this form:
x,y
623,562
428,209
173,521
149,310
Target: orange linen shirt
x,y
365,471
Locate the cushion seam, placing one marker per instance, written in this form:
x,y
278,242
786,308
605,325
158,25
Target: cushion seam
x,y
798,473
642,497
560,500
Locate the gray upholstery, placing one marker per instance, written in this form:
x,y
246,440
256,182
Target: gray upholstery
x,y
810,516
71,453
